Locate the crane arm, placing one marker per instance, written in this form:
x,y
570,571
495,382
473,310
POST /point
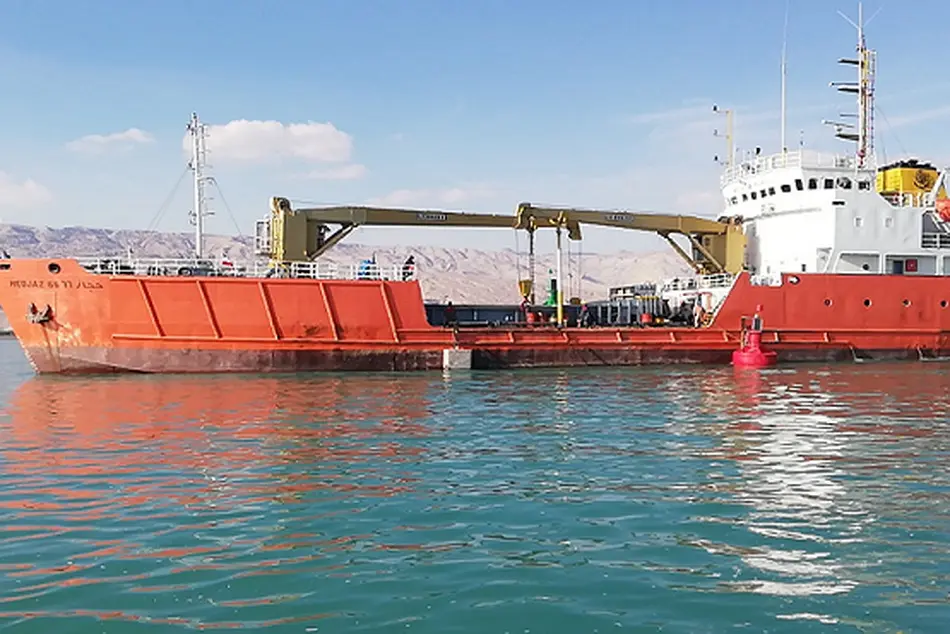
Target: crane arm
x,y
379,216
659,223
717,246
289,234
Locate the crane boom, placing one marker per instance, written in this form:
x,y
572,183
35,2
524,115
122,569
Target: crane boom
x,y
289,234
358,215
718,247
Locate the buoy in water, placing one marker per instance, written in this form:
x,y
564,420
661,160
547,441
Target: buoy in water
x,y
750,354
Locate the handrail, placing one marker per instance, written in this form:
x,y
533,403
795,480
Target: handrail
x,y
935,240
783,160
206,267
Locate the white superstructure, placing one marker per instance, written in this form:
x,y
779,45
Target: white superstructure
x,y
814,213
807,212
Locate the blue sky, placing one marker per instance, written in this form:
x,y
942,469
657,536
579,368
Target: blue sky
x,y
467,106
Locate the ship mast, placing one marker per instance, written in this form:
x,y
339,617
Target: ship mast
x,y
863,133
197,165
784,47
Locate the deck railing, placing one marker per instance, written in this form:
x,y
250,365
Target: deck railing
x,y
784,160
935,241
702,282
184,267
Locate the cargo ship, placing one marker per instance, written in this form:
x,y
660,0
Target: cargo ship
x,y
817,257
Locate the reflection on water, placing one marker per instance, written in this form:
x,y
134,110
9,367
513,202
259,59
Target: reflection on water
x,y
565,501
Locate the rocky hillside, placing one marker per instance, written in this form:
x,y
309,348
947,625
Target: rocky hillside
x,y
460,275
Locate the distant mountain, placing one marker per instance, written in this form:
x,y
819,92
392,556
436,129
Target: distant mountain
x,y
459,275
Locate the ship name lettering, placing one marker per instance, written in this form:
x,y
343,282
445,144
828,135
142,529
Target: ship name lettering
x,y
26,284
54,284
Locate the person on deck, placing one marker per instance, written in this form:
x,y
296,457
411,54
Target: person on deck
x,y
450,318
586,318
698,314
408,268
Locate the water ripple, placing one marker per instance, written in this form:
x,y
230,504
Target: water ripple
x,y
793,500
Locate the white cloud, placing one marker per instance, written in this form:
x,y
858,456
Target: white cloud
x,y
22,193
351,171
430,197
98,143
259,141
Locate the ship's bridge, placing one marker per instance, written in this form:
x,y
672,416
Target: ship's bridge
x,y
766,184
808,212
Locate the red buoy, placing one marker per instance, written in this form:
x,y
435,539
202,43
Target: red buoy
x,y
750,354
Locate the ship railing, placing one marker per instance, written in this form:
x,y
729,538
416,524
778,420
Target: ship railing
x,y
632,291
784,160
717,280
935,241
335,271
191,267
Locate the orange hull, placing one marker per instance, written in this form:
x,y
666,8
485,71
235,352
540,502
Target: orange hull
x,y
113,323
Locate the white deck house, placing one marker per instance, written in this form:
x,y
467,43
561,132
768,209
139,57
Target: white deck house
x,y
805,212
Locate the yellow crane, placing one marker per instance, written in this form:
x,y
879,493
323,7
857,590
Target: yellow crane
x,y
300,235
718,245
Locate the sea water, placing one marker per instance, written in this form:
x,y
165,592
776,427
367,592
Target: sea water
x,y
676,499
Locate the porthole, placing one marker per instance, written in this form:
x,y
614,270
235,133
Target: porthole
x,y
827,302
906,303
793,279
867,303
943,303
53,268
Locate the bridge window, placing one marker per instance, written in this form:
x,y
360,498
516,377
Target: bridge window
x,y
864,184
812,183
829,183
844,183
762,192
799,185
754,195
786,189
745,197
771,191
